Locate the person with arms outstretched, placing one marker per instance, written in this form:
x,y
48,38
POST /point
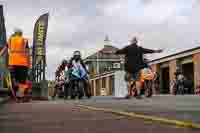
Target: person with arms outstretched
x,y
134,62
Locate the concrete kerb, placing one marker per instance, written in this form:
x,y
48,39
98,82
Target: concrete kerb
x,y
145,117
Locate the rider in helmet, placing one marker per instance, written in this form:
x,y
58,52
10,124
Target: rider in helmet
x,y
75,59
60,76
63,65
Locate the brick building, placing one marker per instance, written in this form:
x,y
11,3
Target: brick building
x,y
102,64
187,61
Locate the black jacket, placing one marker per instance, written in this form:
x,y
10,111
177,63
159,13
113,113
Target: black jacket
x,y
134,57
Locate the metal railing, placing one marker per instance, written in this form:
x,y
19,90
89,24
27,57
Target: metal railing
x,y
103,81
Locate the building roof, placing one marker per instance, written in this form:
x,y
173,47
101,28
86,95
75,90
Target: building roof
x,y
108,52
177,55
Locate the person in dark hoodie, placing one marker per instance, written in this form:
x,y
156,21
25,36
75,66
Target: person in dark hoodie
x,y
134,62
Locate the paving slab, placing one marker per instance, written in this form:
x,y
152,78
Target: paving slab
x,y
184,108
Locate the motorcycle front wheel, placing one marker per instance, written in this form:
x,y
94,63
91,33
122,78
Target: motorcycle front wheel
x,y
80,89
72,92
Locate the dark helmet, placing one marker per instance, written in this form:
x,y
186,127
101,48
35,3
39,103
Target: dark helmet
x,y
178,71
77,54
64,62
63,65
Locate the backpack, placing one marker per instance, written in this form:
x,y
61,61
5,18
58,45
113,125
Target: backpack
x,y
147,74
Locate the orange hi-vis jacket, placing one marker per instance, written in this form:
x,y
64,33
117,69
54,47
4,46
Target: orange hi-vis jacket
x,y
18,52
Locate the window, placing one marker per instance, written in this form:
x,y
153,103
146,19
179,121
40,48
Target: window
x,y
104,83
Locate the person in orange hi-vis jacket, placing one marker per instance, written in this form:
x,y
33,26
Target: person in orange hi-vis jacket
x,y
18,61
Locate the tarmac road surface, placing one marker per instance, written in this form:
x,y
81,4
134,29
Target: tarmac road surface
x,y
65,117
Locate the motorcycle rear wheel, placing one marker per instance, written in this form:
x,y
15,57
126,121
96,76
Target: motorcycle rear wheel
x,y
148,88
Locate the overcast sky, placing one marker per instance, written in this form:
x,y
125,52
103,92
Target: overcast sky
x,y
82,24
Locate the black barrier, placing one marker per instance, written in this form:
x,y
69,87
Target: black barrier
x,y
3,62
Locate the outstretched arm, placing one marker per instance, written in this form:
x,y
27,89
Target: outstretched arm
x,y
122,51
149,51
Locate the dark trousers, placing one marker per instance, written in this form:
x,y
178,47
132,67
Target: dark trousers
x,y
67,90
19,73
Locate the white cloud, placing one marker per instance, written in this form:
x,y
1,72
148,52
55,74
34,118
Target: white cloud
x,y
169,24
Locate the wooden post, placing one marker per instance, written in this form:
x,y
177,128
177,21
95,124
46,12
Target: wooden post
x,y
94,88
196,60
108,89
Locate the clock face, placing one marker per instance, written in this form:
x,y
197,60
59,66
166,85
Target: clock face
x,y
116,65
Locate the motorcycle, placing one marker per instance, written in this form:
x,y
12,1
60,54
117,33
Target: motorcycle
x,y
146,80
59,89
77,78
